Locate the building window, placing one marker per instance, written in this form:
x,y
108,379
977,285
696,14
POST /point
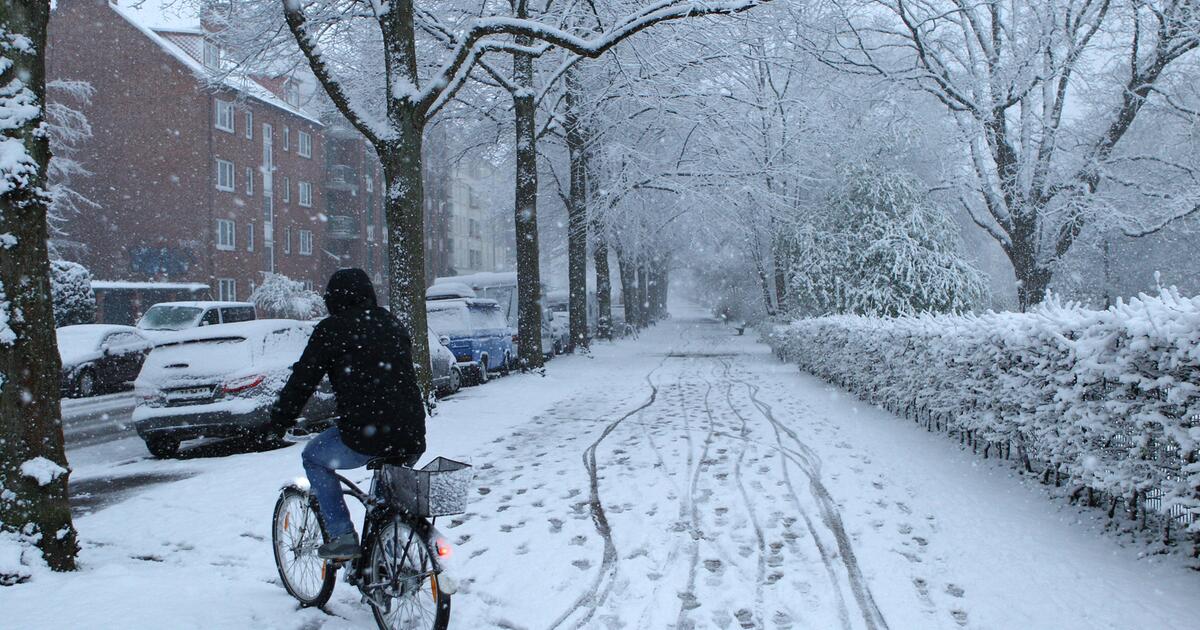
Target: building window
x,y
287,189
287,240
249,180
226,236
226,289
306,244
224,116
225,175
212,55
370,232
370,184
249,125
473,228
305,144
308,285
370,260
250,237
291,93
287,139
305,194
476,259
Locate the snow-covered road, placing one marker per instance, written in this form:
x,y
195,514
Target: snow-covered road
x,y
683,480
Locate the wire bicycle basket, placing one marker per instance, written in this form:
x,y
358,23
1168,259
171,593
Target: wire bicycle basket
x,y
438,488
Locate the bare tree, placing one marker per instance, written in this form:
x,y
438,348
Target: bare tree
x,y
1010,74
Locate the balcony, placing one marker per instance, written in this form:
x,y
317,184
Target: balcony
x,y
341,177
343,228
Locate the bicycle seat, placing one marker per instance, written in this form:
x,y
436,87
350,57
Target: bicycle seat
x,y
392,460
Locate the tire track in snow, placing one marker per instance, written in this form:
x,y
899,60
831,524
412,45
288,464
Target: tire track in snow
x,y
760,538
602,585
688,597
810,464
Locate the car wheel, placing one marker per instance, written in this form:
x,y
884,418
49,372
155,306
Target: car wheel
x,y
482,375
162,447
85,383
455,381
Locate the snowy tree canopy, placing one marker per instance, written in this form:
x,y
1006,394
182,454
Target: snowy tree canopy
x,y
880,246
74,299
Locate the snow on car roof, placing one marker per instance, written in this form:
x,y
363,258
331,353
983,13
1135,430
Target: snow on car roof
x,y
449,290
439,305
481,279
250,329
203,303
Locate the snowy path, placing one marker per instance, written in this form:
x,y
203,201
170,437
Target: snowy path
x,y
685,480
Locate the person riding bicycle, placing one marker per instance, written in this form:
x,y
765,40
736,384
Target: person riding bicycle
x,y
367,355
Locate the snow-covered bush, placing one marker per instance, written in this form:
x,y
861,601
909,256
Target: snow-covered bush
x,y
1106,401
74,300
879,245
280,296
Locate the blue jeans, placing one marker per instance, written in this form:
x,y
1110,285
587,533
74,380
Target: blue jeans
x,y
323,455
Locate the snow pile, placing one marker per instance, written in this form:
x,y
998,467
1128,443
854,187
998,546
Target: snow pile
x,y
42,470
19,560
1107,401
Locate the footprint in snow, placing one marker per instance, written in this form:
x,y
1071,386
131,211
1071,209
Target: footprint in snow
x,y
582,565
955,590
960,617
556,525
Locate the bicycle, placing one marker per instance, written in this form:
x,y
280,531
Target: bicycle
x,y
401,571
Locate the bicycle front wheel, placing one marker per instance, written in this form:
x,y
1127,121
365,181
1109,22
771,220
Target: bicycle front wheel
x,y
403,586
296,533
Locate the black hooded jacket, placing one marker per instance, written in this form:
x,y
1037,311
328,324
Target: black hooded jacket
x,y
367,354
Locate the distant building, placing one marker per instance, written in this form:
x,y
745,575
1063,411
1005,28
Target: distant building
x,y
480,217
195,182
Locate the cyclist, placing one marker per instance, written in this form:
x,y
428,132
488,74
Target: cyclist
x,y
367,354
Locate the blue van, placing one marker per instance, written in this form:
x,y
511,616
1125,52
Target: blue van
x,y
479,335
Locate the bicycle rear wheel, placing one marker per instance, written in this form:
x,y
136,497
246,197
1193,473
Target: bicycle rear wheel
x,y
296,532
404,593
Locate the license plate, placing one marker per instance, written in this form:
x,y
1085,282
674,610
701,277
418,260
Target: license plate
x,y
190,393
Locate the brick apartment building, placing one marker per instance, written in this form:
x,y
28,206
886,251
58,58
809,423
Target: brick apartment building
x,y
195,182
212,181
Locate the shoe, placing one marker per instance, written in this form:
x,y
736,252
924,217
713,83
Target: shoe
x,y
343,547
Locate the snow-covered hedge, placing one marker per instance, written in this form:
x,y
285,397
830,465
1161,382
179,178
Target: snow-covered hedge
x,y
1107,401
280,296
71,287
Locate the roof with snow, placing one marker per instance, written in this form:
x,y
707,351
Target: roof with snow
x,y
158,19
132,285
447,290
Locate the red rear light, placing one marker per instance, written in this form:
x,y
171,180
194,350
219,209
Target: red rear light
x,y
443,548
243,384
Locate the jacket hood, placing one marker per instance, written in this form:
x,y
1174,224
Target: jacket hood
x,y
347,289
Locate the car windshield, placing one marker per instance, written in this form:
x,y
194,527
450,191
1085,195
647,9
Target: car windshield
x,y
451,321
163,317
487,318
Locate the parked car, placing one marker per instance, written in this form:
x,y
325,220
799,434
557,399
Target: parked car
x,y
447,376
174,316
98,358
560,329
220,381
477,332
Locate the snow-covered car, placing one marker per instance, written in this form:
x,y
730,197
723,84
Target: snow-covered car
x,y
220,381
560,330
168,317
478,333
98,358
447,376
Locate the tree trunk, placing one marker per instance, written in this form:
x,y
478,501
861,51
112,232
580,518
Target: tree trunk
x,y
401,160
658,287
30,425
577,216
780,263
603,280
529,283
1032,278
643,280
628,277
